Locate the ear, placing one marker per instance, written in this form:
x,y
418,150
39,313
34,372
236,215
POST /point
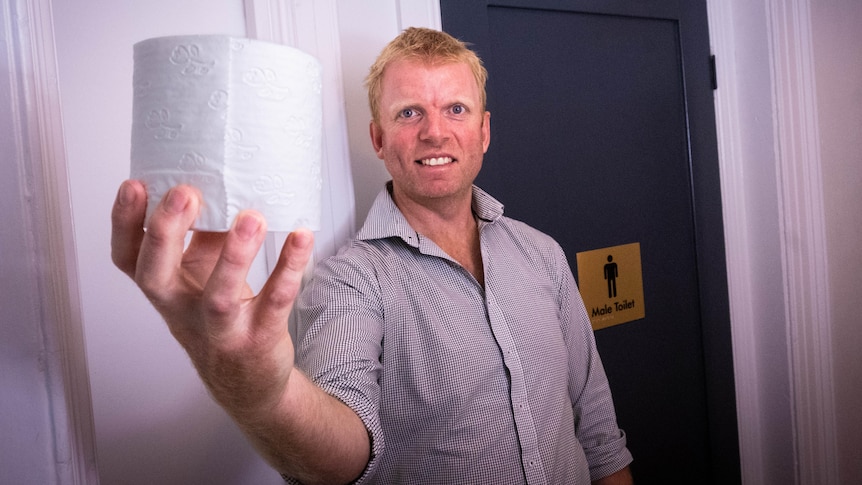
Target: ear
x,y
486,132
376,138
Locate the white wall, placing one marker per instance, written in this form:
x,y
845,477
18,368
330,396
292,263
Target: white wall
x,y
154,421
838,63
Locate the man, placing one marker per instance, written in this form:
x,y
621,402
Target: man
x,y
445,344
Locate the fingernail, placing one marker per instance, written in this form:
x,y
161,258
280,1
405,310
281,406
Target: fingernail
x,y
302,238
176,201
248,226
126,195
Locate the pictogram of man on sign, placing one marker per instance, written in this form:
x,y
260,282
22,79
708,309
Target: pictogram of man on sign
x,y
611,273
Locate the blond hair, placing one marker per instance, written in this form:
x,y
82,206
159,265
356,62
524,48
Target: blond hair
x,y
425,45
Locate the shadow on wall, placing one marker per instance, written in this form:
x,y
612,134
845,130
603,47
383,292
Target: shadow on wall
x,y
197,453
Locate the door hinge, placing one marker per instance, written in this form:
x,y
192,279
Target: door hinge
x,y
713,75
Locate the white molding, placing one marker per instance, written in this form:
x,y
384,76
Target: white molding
x,y
419,13
739,259
803,240
41,149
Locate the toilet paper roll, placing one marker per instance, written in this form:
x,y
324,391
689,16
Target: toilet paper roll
x,y
239,119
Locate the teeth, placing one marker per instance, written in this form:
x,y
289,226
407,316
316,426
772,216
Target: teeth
x,y
436,161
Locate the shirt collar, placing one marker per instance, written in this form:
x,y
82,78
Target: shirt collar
x,y
386,220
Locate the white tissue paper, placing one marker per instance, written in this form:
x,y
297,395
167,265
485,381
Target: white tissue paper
x,y
239,119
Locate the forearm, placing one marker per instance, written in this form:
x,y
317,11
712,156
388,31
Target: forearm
x,y
311,436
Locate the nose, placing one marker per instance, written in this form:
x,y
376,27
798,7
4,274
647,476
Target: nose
x,y
434,128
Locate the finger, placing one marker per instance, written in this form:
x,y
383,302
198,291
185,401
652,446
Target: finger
x,y
277,296
227,285
161,251
127,225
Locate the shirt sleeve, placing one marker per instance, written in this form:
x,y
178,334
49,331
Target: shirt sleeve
x,y
339,342
604,443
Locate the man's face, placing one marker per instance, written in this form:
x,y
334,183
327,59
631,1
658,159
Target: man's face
x,y
432,132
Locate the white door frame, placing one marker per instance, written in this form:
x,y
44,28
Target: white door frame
x,y
40,152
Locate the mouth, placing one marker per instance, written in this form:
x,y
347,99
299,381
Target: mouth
x,y
436,161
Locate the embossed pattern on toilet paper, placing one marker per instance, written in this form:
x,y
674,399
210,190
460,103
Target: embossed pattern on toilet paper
x,y
239,119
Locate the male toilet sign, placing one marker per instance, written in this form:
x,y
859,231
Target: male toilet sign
x,y
611,284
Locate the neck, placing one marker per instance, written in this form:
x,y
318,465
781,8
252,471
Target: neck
x,y
451,225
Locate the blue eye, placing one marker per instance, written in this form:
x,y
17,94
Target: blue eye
x,y
408,113
458,109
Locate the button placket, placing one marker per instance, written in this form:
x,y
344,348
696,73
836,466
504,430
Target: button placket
x,y
524,424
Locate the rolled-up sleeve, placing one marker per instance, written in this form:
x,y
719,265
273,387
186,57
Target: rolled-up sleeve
x,y
596,426
339,343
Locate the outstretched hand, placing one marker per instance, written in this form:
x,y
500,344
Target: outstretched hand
x,y
239,342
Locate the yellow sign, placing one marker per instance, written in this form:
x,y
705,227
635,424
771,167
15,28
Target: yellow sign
x,y
611,284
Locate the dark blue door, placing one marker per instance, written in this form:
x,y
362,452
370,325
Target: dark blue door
x,y
603,134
